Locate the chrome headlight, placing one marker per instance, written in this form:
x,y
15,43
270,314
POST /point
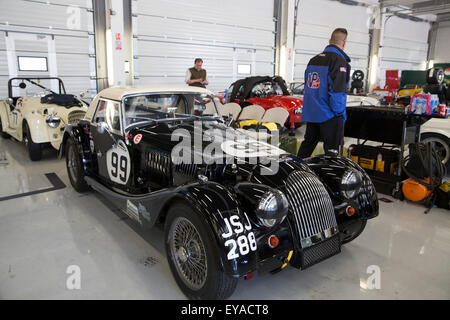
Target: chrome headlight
x,y
351,183
272,208
53,121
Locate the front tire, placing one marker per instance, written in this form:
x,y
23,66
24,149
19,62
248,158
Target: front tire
x,y
193,258
34,149
75,170
353,231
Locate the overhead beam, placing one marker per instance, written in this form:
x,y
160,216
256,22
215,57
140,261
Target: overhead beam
x,y
431,9
387,3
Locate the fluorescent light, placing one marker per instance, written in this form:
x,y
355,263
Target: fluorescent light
x,y
373,70
109,57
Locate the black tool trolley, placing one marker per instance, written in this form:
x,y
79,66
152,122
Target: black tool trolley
x,y
394,128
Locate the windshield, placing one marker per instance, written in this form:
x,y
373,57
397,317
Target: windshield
x,y
169,106
34,87
297,87
265,89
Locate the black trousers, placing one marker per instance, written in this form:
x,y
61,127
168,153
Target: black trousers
x,y
330,132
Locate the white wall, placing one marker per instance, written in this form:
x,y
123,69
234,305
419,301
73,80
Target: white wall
x,y
316,21
170,34
404,46
442,45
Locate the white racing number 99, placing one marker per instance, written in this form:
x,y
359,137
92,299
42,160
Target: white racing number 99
x,y
244,244
118,163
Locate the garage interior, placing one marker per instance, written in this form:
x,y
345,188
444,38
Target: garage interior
x,y
46,227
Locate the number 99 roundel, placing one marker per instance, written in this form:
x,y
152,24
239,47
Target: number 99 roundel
x,y
118,163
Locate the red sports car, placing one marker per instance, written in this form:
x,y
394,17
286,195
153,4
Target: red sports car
x,y
267,92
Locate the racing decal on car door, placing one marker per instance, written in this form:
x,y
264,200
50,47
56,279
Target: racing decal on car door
x,y
241,244
137,138
118,163
250,148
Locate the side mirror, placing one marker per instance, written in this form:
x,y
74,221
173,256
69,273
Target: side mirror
x,y
10,102
172,111
102,127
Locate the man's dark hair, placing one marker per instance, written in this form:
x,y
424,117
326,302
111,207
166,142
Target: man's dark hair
x,y
198,60
339,35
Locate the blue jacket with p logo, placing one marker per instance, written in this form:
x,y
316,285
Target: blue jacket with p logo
x,y
326,83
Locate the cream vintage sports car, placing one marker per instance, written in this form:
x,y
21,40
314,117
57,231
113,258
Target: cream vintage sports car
x,y
437,131
38,118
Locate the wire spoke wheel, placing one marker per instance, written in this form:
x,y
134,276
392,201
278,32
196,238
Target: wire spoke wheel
x,y
75,170
189,253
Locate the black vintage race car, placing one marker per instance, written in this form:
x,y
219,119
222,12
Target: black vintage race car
x,y
229,210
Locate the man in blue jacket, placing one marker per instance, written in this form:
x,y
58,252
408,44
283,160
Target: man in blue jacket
x,y
325,97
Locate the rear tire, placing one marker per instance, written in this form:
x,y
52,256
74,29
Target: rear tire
x,y
75,170
34,149
208,281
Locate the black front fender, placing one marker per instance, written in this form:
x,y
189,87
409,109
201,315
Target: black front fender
x,y
219,208
330,170
74,133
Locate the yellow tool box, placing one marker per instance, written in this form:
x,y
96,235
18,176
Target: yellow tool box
x,y
377,159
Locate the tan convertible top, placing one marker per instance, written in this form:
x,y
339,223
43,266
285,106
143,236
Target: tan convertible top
x,y
117,93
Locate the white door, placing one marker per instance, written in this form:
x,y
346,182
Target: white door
x,y
48,38
169,35
316,21
404,46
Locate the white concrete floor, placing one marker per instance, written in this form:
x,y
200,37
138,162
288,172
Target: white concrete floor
x,y
42,235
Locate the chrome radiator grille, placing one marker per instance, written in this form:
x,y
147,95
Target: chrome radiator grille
x,y
321,251
187,169
311,205
159,162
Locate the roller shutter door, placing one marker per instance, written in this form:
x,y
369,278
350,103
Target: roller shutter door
x,y
57,31
169,35
316,20
405,46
